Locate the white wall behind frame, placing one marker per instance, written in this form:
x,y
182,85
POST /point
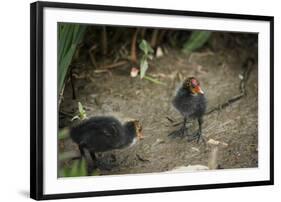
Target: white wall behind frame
x,y
14,50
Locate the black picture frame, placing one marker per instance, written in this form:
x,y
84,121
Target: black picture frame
x,y
37,99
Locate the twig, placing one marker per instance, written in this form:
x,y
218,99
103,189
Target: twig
x,y
142,32
91,52
215,146
170,119
134,47
154,80
141,158
61,94
66,114
161,36
104,40
111,66
248,66
69,155
72,84
154,36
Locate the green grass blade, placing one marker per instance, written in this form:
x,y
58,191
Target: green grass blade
x,y
196,41
143,67
154,80
70,35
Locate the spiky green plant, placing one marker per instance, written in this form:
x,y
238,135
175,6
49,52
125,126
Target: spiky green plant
x,y
196,41
81,113
147,54
69,36
77,168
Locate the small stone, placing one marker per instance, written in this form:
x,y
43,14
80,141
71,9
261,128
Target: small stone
x,y
159,52
158,141
195,149
134,71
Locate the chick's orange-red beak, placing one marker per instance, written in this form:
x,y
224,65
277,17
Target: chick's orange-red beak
x,y
198,90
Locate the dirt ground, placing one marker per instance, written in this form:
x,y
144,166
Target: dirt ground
x,y
116,93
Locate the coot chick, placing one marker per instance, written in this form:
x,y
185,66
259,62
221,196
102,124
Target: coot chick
x,y
191,103
104,133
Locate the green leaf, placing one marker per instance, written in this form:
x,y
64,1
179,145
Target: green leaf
x,y
77,168
63,133
145,47
143,67
75,117
80,108
82,112
154,80
196,41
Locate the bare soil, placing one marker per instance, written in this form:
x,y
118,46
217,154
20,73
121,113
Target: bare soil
x,y
116,93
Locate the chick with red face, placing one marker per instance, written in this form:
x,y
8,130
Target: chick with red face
x,y
191,102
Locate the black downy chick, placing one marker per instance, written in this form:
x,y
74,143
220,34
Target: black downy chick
x,y
104,133
191,102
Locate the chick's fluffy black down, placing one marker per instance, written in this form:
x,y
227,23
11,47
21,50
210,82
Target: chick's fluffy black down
x,y
189,105
99,134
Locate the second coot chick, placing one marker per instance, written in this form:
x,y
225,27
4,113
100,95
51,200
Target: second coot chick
x,y
191,103
104,133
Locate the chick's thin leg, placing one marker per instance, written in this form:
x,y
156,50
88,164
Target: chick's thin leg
x,y
99,164
88,157
181,132
81,149
198,134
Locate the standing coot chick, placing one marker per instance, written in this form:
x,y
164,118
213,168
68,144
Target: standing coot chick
x,y
191,103
100,134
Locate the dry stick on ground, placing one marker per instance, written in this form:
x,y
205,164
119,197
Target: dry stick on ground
x,y
72,83
247,66
104,41
66,114
69,155
111,66
154,36
161,36
142,32
134,47
61,94
92,55
215,146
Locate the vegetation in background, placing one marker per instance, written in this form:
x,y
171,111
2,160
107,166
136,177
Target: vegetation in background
x,y
147,54
111,43
77,168
196,41
81,113
69,36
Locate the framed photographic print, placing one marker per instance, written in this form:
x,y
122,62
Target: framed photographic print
x,y
135,100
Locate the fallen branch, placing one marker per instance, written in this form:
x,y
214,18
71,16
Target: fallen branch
x,y
114,65
215,146
134,47
69,155
104,41
248,66
91,53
